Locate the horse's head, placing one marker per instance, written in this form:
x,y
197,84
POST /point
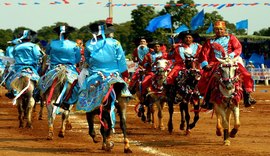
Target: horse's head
x,y
191,62
228,72
162,70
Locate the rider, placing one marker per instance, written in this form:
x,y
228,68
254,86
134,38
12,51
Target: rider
x,y
63,51
212,49
137,57
149,63
106,64
26,55
188,47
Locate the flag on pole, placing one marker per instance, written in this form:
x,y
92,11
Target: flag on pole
x,y
163,21
197,20
182,28
242,24
210,28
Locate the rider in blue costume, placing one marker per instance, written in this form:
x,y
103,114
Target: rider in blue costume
x,y
27,58
62,51
106,65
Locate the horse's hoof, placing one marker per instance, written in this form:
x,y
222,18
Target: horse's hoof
x,y
227,142
182,126
143,118
191,126
218,132
188,132
233,133
127,150
61,134
29,126
109,146
95,139
161,128
49,137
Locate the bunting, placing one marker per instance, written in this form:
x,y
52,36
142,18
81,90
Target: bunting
x,y
84,2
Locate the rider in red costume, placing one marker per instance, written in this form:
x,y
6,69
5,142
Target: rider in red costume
x,y
216,47
187,46
137,57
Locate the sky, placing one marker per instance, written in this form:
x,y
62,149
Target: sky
x,y
35,16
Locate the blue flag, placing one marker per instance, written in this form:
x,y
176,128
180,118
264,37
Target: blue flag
x,y
182,28
210,29
197,20
242,24
163,21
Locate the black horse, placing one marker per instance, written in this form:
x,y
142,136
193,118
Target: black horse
x,y
185,92
104,112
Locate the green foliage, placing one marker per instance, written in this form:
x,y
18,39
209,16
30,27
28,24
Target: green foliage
x,y
263,32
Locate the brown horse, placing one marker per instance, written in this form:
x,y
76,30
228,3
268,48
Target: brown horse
x,y
24,100
226,94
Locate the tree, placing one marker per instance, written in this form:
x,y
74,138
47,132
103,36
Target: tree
x,y
263,32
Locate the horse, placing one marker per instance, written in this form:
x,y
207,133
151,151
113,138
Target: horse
x,y
156,94
187,93
22,83
225,95
55,87
105,110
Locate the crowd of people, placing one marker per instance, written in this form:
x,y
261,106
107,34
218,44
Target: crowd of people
x,y
104,54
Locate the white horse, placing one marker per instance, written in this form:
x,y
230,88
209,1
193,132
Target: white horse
x,y
156,93
225,96
57,91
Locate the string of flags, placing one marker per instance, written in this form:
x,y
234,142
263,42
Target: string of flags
x,y
83,2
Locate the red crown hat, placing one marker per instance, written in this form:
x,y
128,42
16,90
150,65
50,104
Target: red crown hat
x,y
220,24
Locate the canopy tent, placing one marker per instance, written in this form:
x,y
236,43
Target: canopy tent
x,y
257,60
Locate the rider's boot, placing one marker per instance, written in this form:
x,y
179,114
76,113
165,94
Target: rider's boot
x,y
248,100
207,104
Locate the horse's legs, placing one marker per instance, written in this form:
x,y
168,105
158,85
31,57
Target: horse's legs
x,y
107,144
196,115
20,112
30,104
160,115
40,114
182,110
171,110
236,122
219,127
225,115
65,122
121,107
152,111
51,118
90,120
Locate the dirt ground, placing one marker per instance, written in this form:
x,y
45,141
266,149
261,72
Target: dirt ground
x,y
253,138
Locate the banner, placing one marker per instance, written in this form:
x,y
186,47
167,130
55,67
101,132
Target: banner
x,y
163,21
260,74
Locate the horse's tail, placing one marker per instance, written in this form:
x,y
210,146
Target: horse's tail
x,y
62,75
23,84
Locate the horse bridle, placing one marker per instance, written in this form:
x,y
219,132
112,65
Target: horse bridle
x,y
233,79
